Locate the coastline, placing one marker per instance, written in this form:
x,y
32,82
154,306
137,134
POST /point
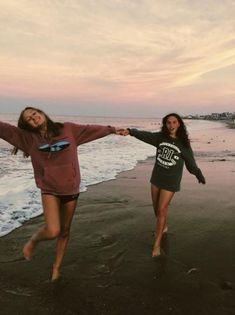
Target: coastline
x,y
108,267
231,124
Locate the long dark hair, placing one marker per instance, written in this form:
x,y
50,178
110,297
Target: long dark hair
x,y
53,128
181,133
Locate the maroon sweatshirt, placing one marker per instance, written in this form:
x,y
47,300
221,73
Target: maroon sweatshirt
x,y
55,163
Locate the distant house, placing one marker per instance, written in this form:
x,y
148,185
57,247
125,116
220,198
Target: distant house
x,y
215,116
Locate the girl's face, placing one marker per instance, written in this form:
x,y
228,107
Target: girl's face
x,y
33,118
172,125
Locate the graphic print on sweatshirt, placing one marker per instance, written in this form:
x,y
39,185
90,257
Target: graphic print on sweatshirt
x,y
55,147
167,154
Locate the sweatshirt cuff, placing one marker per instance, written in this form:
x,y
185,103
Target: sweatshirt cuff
x,y
131,131
112,129
200,177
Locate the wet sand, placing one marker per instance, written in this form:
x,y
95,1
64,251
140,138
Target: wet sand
x,y
108,267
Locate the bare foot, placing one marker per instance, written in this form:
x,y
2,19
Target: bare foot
x,y
156,251
165,230
55,274
28,250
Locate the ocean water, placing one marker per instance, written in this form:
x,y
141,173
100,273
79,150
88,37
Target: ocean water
x,y
100,160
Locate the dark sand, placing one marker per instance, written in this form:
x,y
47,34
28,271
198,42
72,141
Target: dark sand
x,y
108,267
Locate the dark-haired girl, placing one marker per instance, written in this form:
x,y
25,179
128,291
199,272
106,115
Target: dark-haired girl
x,y
173,150
52,147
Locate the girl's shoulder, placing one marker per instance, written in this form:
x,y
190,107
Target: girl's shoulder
x,y
68,125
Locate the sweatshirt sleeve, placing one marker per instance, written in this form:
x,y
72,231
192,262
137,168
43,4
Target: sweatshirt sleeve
x,y
145,136
16,136
191,165
87,133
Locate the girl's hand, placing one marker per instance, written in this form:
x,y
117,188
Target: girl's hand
x,y
122,132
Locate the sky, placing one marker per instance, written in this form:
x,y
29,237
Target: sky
x,y
142,58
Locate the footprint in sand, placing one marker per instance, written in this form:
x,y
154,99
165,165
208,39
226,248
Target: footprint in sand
x,y
104,241
111,264
18,291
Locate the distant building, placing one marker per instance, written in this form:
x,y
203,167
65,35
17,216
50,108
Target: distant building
x,y
214,116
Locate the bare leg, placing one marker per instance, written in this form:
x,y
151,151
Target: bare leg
x,y
62,242
155,193
51,210
164,201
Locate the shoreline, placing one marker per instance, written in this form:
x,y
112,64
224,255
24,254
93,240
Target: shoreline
x,y
18,207
108,267
231,124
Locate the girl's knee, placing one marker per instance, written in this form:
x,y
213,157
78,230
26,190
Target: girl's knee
x,y
162,211
53,233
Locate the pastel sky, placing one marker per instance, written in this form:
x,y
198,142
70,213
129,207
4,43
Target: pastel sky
x,y
117,57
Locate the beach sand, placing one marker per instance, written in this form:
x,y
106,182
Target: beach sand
x,y
108,268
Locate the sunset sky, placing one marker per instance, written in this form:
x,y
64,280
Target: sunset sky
x,y
118,57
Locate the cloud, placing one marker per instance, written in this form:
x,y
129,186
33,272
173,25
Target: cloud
x,y
116,50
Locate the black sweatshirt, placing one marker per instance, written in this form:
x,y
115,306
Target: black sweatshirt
x,y
171,155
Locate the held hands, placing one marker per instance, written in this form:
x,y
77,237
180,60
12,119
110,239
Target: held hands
x,y
122,132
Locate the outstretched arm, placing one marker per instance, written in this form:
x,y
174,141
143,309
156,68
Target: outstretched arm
x,y
191,165
87,133
145,136
16,136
